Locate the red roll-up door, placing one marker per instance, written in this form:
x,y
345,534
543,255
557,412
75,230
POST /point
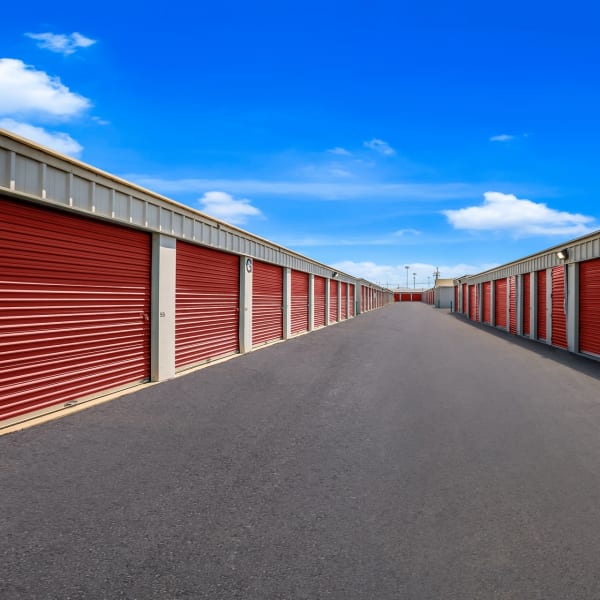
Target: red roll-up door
x,y
473,307
416,297
299,303
487,301
500,287
267,303
455,307
589,307
351,296
464,298
512,304
541,305
405,297
344,300
75,305
207,304
319,301
527,304
333,301
396,297
559,317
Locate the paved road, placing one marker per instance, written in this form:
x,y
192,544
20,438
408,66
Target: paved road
x,y
404,454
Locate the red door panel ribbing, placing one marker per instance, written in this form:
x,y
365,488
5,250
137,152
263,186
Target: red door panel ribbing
x,y
455,298
559,317
589,307
333,301
500,287
405,297
473,307
299,302
487,301
75,300
416,297
207,304
319,301
344,286
512,305
351,297
464,298
541,305
526,304
267,303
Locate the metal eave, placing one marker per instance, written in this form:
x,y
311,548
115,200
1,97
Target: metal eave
x,y
582,248
129,204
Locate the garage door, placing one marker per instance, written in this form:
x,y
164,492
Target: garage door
x,y
589,307
541,305
299,302
344,286
512,304
207,304
351,296
75,298
464,298
473,308
267,303
500,303
559,316
527,304
455,307
319,301
487,301
333,301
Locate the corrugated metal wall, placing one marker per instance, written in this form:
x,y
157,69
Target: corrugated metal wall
x,y
541,305
299,302
75,301
207,304
527,304
319,301
267,303
559,316
589,307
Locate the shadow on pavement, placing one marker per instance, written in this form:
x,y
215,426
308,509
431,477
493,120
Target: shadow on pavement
x,y
583,364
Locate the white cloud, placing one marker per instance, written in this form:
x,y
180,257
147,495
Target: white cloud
x,y
224,206
61,142
61,43
506,212
395,275
320,190
502,138
380,146
339,172
406,232
100,121
339,151
26,91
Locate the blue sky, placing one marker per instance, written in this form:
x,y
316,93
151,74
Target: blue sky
x,y
368,136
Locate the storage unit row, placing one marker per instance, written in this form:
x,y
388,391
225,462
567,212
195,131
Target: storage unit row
x,y
407,296
91,303
558,304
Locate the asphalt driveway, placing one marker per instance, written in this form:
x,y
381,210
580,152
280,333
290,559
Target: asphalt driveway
x,y
403,454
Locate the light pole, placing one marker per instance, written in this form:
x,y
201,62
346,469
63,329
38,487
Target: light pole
x,y
407,267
